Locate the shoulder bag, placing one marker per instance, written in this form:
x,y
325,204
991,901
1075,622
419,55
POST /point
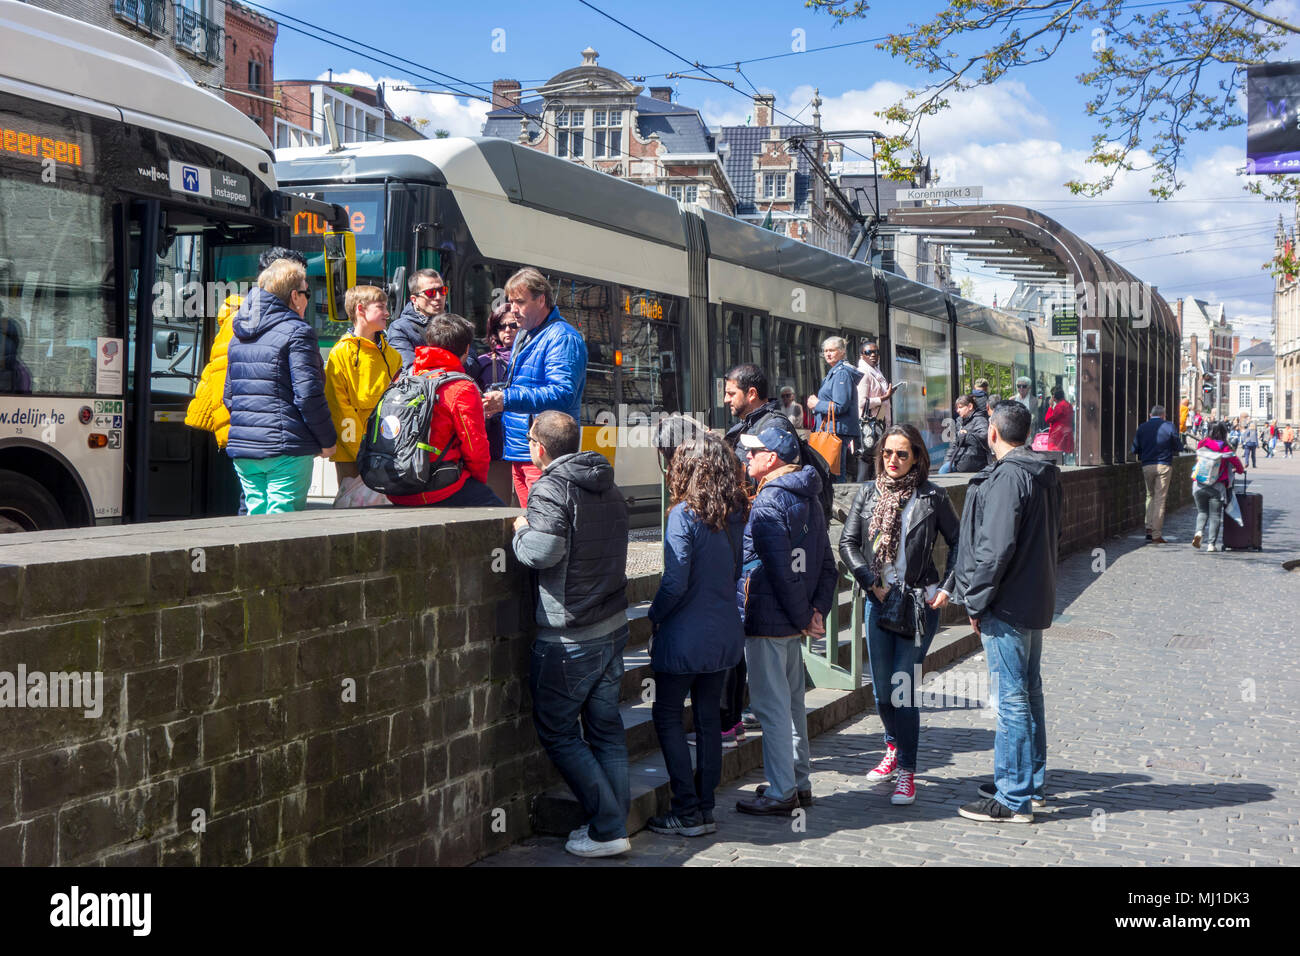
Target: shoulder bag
x,y
826,443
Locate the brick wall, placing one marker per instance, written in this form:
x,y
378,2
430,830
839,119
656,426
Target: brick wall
x,y
224,675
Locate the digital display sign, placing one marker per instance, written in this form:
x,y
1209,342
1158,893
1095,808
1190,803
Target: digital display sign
x,y
40,146
363,218
643,305
1273,118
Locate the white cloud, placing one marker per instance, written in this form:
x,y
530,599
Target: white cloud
x,y
460,117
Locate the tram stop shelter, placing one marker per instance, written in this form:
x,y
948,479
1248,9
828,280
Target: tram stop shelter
x,y
1128,336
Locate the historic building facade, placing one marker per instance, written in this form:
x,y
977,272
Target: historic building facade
x,y
1207,349
250,64
1286,330
596,117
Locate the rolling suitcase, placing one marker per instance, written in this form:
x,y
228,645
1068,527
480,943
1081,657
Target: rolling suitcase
x,y
1250,533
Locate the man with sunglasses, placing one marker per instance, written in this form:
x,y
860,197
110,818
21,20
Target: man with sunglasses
x,y
428,297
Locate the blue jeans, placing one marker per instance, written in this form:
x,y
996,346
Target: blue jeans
x,y
776,695
896,663
1209,511
1020,745
945,468
575,688
692,789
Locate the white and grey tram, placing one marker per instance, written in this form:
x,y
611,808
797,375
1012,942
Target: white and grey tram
x,y
668,296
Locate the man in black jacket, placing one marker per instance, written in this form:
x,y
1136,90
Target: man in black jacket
x,y
969,449
575,535
1006,578
746,396
428,297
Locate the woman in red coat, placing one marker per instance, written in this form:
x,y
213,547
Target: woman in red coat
x,y
1060,423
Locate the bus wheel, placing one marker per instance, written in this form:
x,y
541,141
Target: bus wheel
x,y
28,505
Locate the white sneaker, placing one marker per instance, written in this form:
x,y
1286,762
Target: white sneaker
x,y
580,833
1210,547
585,846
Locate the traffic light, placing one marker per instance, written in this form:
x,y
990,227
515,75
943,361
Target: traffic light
x,y
1207,389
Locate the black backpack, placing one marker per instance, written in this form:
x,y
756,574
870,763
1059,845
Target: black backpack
x,y
395,457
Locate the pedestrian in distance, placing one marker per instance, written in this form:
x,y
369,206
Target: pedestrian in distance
x,y
275,391
837,399
360,366
489,370
548,372
874,405
1060,423
785,593
792,409
698,635
888,545
1156,444
574,535
1006,579
1234,437
969,449
427,297
1215,466
1250,443
1022,395
981,393
1288,439
457,431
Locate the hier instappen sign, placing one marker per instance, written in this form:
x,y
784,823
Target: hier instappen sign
x,y
941,192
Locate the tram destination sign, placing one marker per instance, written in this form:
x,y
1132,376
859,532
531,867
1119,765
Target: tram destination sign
x,y
935,193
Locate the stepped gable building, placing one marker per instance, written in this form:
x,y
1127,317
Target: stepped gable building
x,y
779,189
250,64
1207,348
594,116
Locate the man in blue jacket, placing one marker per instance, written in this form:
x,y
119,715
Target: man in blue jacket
x,y
789,594
548,371
1156,443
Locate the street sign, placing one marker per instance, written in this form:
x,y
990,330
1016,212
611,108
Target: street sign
x,y
941,192
1065,326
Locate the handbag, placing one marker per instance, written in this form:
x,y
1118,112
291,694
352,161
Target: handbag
x,y
872,430
1042,442
828,444
900,611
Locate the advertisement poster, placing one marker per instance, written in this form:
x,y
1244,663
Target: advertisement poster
x,y
109,361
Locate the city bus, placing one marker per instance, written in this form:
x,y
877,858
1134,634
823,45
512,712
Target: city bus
x,y
132,203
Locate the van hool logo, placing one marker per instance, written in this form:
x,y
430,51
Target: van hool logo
x,y
77,690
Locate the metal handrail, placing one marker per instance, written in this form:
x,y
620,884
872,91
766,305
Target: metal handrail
x,y
149,15
197,34
825,668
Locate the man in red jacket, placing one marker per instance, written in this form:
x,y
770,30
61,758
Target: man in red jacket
x,y
457,423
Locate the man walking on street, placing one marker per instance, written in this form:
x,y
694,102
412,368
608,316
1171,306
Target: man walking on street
x,y
575,535
1156,443
788,593
1006,578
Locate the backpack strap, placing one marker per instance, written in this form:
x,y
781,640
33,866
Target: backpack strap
x,y
431,388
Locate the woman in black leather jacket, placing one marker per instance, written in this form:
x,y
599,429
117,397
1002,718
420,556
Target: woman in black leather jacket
x,y
890,534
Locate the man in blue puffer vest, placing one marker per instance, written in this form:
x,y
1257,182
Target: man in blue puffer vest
x,y
790,594
275,391
548,370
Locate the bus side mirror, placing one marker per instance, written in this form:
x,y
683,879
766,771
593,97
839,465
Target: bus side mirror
x,y
340,271
166,343
397,291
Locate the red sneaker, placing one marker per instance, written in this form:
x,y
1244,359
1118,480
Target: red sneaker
x,y
886,768
905,789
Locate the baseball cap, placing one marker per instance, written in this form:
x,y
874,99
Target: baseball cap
x,y
773,439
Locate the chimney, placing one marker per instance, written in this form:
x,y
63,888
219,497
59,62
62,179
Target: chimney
x,y
764,104
664,93
589,57
505,94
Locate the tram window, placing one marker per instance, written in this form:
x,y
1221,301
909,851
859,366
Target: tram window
x,y
758,341
56,287
733,338
586,306
649,336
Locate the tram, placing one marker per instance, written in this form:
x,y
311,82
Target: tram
x,y
668,296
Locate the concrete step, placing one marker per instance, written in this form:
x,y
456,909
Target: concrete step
x,y
556,812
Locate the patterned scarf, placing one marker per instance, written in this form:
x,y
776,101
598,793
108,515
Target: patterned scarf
x,y
885,529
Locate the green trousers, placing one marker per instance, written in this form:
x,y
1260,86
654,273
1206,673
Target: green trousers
x,y
275,485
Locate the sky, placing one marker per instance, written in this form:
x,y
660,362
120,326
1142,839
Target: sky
x,y
1020,139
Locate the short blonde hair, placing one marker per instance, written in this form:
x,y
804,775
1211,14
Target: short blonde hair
x,y
835,342
281,278
534,282
360,295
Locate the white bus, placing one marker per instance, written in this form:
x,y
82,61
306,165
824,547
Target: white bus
x,y
131,201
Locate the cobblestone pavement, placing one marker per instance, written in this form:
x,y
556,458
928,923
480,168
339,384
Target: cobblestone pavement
x,y
1172,688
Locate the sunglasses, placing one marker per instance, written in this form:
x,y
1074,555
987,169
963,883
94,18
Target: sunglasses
x,y
890,453
433,291
508,325
306,292
870,352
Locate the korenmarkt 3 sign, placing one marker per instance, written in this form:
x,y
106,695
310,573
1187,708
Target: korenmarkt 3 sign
x,y
941,192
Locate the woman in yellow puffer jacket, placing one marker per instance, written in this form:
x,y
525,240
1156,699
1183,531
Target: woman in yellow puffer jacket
x,y
207,410
361,365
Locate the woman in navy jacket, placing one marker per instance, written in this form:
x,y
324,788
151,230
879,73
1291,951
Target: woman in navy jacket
x,y
698,636
275,391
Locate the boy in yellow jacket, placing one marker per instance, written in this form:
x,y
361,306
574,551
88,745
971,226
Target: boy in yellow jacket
x,y
361,365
